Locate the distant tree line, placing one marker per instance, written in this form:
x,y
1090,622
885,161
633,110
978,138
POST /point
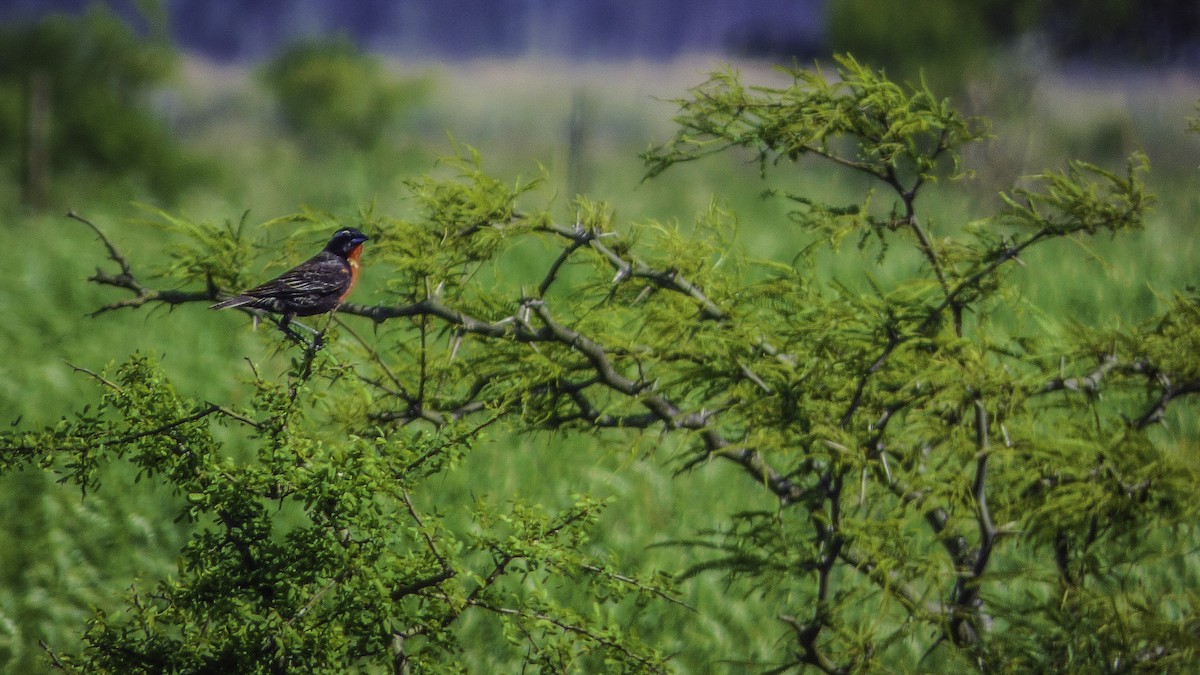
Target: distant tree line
x,y
947,39
919,30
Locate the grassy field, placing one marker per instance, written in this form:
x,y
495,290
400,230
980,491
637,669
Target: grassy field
x,y
516,115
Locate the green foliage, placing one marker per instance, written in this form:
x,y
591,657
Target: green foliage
x,y
311,555
899,133
329,92
100,75
940,476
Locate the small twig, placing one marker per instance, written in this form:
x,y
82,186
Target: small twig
x,y
753,377
412,511
501,567
233,414
968,613
890,581
666,410
1007,254
400,659
987,529
162,428
599,639
96,376
638,585
54,660
317,596
552,273
950,300
812,655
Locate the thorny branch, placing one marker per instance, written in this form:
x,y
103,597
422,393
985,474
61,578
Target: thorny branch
x,y
660,407
1169,393
125,279
967,613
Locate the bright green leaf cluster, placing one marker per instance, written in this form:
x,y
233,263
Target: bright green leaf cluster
x,y
312,555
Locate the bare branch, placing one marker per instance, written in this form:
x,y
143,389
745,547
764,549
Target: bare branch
x,y
96,376
113,253
552,273
127,281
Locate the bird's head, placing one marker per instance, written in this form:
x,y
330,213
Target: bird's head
x,y
345,240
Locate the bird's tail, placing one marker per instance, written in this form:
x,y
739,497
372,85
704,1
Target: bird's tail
x,y
236,301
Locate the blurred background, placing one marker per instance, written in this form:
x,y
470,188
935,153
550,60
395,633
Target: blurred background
x,y
162,94
224,110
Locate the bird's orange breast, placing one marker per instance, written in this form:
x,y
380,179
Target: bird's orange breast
x,y
353,258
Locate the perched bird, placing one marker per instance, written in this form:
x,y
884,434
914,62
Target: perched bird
x,y
315,286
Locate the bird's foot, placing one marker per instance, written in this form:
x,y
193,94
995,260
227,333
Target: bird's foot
x,y
318,341
318,337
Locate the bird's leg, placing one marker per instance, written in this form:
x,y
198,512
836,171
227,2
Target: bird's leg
x,y
285,324
318,340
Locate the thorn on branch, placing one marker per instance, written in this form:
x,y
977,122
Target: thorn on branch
x,y
1089,384
1170,392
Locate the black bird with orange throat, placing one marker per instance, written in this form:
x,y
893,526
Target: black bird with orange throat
x,y
315,286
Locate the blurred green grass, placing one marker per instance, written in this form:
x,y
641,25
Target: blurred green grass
x,y
516,115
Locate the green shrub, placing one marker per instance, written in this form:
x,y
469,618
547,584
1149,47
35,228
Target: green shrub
x,y
99,75
328,92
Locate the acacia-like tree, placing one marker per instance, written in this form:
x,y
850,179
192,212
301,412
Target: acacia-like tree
x,y
952,488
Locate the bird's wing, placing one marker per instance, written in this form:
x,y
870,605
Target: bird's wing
x,y
319,275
